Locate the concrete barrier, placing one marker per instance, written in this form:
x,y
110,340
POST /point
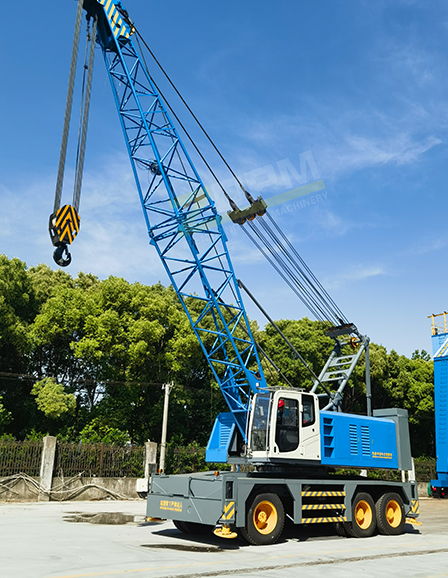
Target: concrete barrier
x,y
22,488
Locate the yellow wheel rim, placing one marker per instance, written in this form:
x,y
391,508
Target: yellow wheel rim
x,y
363,514
393,513
265,517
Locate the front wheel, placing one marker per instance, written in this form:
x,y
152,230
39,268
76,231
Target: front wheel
x,y
363,522
265,520
390,514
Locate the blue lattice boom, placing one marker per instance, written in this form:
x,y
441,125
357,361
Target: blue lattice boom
x,y
181,218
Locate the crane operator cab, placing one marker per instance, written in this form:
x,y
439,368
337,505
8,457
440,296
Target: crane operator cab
x,y
284,424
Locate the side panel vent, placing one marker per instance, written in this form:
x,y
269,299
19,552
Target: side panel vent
x,y
365,440
353,439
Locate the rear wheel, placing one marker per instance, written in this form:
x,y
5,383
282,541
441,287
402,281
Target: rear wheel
x,y
390,514
180,526
197,528
341,529
363,522
265,520
192,527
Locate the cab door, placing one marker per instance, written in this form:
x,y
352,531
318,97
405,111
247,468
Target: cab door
x,y
309,447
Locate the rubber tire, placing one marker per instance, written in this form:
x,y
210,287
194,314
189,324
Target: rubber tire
x,y
197,528
353,528
252,534
341,529
180,526
383,523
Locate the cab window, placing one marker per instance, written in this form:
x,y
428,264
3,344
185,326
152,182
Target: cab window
x,y
308,415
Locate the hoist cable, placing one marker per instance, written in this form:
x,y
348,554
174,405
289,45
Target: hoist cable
x,y
85,119
68,108
260,349
81,108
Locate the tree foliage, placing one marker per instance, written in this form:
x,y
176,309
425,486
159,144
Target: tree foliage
x,y
51,398
86,359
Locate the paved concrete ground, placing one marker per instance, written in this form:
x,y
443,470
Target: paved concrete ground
x,y
39,541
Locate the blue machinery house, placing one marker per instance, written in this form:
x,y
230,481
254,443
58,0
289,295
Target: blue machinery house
x,y
440,352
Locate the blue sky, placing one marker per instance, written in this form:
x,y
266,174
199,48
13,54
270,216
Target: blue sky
x,y
351,92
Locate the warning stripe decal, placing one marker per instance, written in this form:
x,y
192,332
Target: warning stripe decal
x,y
118,27
67,223
324,520
323,507
229,511
326,494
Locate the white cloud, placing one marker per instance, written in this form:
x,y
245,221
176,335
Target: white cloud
x,y
429,245
354,275
357,152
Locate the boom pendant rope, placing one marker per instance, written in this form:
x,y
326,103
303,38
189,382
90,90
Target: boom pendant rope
x,y
272,242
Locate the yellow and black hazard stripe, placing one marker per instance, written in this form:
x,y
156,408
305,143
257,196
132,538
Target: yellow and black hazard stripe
x,y
65,224
414,507
118,26
323,507
322,494
324,520
229,511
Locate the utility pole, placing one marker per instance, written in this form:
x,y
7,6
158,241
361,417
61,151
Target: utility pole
x,y
167,387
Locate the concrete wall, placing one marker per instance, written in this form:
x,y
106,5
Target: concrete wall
x,y
27,489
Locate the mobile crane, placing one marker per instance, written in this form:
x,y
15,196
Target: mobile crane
x,y
293,440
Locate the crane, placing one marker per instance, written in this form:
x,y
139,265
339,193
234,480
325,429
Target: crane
x,y
283,432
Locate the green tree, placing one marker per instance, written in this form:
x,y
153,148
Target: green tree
x,y
18,307
97,431
51,398
5,416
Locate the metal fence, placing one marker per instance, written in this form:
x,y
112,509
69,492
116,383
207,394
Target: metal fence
x,y
20,457
108,461
99,460
425,470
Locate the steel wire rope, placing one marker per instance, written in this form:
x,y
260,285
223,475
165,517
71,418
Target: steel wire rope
x,y
232,203
192,114
68,108
310,289
316,280
280,272
81,108
309,298
82,138
302,281
268,358
333,313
